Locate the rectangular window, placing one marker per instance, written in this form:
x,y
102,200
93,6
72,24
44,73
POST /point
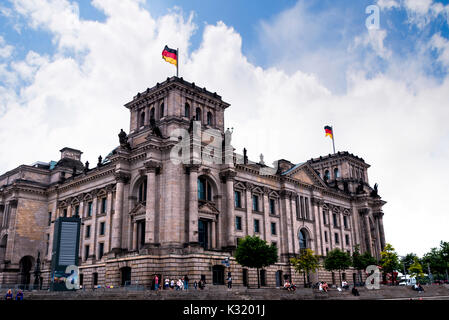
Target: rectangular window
x,y
272,206
337,240
77,210
103,205
324,217
48,244
102,228
238,223
65,213
301,200
255,203
87,231
325,236
237,199
297,208
256,226
89,209
86,252
49,219
334,217
347,239
345,221
273,228
100,250
306,204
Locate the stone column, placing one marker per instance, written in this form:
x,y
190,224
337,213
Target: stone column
x,y
10,224
285,223
229,176
342,234
380,215
316,203
214,233
266,217
135,235
378,237
369,239
121,179
107,233
192,229
248,204
150,209
2,208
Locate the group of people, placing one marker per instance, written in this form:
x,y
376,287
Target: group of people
x,y
179,284
10,296
289,286
323,286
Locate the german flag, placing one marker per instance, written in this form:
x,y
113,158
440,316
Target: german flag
x,y
328,131
170,55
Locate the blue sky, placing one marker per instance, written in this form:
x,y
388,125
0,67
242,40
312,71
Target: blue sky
x,y
287,67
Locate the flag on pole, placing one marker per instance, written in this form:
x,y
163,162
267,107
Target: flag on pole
x,y
170,55
328,131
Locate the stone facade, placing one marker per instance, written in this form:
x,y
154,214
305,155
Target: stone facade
x,y
144,214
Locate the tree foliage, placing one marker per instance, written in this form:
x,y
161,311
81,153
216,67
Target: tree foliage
x,y
306,262
415,269
253,252
408,260
337,260
362,261
389,259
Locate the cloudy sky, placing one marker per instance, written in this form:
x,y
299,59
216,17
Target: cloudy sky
x,y
287,67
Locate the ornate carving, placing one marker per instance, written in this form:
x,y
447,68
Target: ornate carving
x,y
191,168
13,203
378,214
228,175
317,201
267,190
123,139
249,186
152,166
122,177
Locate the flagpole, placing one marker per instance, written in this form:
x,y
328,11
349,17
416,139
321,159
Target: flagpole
x,y
177,63
333,142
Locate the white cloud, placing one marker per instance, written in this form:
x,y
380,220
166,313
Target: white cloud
x,y
5,49
77,101
442,46
388,4
421,12
374,38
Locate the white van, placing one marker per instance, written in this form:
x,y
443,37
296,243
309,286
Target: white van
x,y
407,281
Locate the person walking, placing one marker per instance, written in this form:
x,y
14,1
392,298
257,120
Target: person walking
x,y
195,285
229,282
186,282
156,283
8,295
166,284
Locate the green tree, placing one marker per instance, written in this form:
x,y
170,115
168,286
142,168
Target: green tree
x,y
362,261
337,260
435,260
444,249
408,260
253,252
306,262
389,260
415,269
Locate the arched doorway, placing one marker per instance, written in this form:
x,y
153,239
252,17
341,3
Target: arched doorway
x,y
218,275
3,244
125,276
25,266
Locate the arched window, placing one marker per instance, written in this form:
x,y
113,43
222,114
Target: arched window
x,y
302,239
142,119
161,113
187,110
336,173
327,175
204,189
142,192
198,114
209,118
152,113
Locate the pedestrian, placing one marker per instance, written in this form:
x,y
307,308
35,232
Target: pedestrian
x,y
320,287
355,292
172,284
229,282
195,285
19,295
186,282
8,295
156,283
166,283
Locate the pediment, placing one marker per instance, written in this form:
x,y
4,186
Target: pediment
x,y
208,207
306,174
138,209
